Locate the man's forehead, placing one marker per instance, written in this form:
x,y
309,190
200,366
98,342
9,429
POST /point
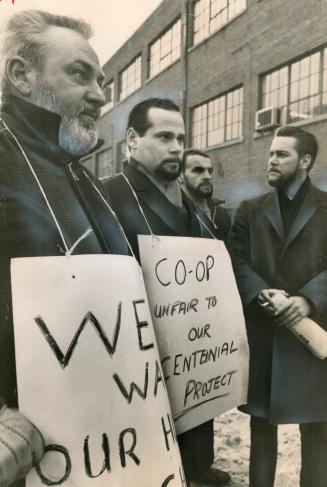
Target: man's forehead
x,y
67,45
166,120
283,143
194,160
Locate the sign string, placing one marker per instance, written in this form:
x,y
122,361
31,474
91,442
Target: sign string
x,y
40,187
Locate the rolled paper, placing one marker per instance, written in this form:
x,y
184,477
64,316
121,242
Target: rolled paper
x,y
313,336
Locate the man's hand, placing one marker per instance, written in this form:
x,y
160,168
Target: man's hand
x,y
292,311
21,446
267,299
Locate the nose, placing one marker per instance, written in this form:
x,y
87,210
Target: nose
x,y
176,146
273,158
95,94
207,175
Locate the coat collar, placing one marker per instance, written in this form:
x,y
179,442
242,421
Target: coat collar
x,y
311,203
147,192
37,129
309,206
272,211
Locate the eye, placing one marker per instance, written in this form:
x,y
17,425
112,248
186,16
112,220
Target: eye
x,y
80,75
164,137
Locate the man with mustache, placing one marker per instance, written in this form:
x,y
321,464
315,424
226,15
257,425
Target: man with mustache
x,y
196,180
52,96
147,199
278,247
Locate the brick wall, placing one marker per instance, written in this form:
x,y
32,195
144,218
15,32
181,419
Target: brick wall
x,y
267,35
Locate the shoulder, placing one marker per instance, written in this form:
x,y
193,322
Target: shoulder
x,y
319,193
114,182
257,202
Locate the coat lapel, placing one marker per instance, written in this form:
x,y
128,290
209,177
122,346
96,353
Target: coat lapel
x,y
272,211
309,206
151,196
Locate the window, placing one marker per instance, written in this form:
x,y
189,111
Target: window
x,y
104,167
219,120
88,163
166,49
211,15
122,155
300,87
108,90
130,78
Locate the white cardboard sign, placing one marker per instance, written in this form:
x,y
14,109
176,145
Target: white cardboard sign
x,y
199,324
89,374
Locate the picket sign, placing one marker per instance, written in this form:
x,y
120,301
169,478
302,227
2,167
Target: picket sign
x,y
89,374
199,324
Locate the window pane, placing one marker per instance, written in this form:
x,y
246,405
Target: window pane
x,y
211,15
219,120
275,87
104,163
165,50
305,90
130,78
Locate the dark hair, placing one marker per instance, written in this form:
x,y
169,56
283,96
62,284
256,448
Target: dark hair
x,y
192,152
138,117
306,143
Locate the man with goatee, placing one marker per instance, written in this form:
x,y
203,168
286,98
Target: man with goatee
x,y
147,198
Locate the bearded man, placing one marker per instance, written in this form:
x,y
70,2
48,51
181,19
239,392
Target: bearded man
x,y
52,96
278,246
196,181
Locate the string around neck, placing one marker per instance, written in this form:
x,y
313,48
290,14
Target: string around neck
x,y
40,187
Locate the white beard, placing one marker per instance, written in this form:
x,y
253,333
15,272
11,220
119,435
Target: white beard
x,y
74,137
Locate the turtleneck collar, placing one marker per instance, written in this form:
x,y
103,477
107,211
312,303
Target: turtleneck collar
x,y
36,128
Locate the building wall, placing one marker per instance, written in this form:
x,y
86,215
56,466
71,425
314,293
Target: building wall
x,y
166,84
264,37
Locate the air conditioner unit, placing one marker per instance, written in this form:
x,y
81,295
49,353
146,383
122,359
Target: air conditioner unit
x,y
267,118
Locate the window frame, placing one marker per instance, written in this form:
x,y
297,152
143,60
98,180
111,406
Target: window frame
x,y
97,163
122,95
321,83
158,39
240,121
209,19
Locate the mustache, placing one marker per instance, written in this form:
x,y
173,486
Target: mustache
x,y
90,110
172,159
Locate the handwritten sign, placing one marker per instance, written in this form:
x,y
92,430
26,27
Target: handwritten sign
x,y
199,324
89,375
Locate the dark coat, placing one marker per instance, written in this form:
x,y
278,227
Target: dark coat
x,y
220,218
287,382
163,217
27,228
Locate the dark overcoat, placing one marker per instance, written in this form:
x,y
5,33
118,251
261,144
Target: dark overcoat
x,y
27,228
162,216
287,382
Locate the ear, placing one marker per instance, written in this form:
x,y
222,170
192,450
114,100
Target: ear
x,y
20,75
181,179
132,138
306,161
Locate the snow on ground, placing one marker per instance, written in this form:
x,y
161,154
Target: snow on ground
x,y
232,448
